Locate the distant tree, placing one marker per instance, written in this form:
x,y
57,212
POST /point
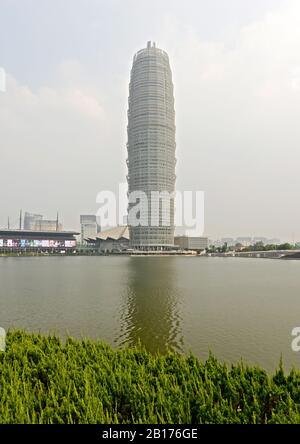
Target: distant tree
x,y
285,246
259,246
238,246
224,248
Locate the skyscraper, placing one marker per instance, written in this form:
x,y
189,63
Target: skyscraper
x,y
151,148
36,222
31,219
89,227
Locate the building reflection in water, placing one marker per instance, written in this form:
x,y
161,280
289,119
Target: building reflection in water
x,y
150,312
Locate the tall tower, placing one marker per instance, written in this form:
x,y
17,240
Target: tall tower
x,y
151,147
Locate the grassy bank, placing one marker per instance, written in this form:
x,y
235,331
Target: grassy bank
x,y
45,381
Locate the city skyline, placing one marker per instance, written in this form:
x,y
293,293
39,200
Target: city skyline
x,y
92,223
63,115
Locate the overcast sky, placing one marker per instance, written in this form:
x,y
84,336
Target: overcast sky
x,y
236,72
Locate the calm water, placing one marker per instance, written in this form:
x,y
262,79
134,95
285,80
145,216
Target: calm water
x,y
235,307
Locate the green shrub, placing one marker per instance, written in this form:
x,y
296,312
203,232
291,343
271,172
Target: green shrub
x,y
43,380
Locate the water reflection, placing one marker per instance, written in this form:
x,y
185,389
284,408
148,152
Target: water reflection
x,y
150,309
235,307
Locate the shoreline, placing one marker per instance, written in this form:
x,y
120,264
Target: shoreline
x,y
249,255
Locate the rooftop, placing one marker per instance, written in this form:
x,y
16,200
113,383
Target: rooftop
x,y
32,233
114,233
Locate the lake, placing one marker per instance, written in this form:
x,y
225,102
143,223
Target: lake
x,y
235,307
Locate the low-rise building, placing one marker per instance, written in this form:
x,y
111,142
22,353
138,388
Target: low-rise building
x,y
113,240
12,241
191,243
246,241
228,240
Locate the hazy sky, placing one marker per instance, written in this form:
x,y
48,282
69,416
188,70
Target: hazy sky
x,y
236,71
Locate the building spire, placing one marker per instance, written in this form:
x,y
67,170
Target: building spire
x,y
151,44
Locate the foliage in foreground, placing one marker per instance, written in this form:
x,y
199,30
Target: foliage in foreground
x,y
43,380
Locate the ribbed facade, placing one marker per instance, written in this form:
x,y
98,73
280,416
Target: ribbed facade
x,y
151,145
